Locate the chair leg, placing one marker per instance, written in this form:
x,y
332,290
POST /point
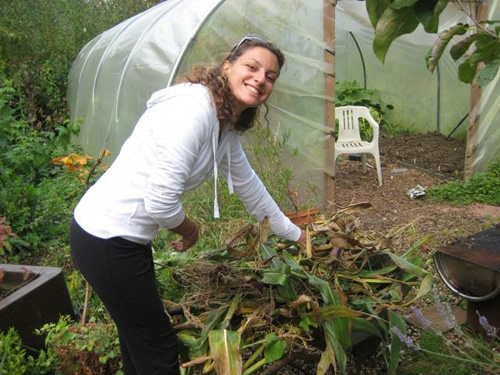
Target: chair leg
x,y
334,163
379,169
363,161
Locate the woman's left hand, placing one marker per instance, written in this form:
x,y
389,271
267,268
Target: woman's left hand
x,y
186,242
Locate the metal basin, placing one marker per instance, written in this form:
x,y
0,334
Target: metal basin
x,y
470,281
470,267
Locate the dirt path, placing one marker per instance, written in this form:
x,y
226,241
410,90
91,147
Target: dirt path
x,y
407,161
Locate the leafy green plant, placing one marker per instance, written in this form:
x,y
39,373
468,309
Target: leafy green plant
x,y
483,187
15,359
12,357
351,93
92,348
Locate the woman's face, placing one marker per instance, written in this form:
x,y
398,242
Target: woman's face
x,y
252,76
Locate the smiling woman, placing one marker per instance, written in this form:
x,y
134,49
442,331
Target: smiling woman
x,y
189,132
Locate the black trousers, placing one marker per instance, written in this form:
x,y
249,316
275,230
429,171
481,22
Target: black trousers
x,y
121,273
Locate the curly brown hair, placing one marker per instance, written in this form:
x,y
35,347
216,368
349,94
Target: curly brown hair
x,y
213,78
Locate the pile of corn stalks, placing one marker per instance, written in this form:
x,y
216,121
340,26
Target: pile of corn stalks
x,y
261,302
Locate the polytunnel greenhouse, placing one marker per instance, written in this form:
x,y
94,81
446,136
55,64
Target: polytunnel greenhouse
x,y
116,73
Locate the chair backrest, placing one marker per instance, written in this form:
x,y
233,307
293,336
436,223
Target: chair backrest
x,y
348,117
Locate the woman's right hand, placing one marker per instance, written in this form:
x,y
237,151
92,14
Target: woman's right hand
x,y
302,240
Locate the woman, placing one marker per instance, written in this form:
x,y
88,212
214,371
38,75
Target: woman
x,y
187,133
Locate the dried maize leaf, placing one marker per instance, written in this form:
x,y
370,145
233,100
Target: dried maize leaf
x,y
225,351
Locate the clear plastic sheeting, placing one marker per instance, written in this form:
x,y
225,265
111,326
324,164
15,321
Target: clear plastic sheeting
x,y
116,73
488,135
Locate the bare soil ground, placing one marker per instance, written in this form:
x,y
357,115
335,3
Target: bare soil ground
x,y
407,160
425,159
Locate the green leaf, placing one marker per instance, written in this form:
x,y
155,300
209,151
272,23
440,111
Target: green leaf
x,y
332,312
461,47
488,73
340,325
406,265
327,293
213,319
441,43
375,9
428,13
425,286
274,348
307,322
276,275
379,272
467,71
396,345
333,341
392,24
225,351
398,4
365,326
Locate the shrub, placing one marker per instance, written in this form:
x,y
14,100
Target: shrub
x,y
15,360
92,348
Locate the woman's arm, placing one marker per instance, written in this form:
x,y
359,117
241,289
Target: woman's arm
x,y
248,186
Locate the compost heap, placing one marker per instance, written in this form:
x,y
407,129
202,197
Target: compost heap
x,y
261,299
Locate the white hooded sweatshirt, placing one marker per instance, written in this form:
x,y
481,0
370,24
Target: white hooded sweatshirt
x,y
174,148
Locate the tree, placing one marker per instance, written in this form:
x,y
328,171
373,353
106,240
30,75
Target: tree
x,y
478,51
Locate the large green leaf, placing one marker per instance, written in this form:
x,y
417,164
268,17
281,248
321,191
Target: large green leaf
x,y
192,341
235,303
417,245
428,13
225,351
392,24
276,275
398,4
286,290
467,70
340,326
337,347
396,345
441,43
425,287
458,49
489,72
274,348
375,9
331,312
406,265
365,326
214,317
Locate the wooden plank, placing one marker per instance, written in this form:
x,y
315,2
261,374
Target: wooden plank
x,y
329,90
474,112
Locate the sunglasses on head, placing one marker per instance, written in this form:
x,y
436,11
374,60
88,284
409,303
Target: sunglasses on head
x,y
246,38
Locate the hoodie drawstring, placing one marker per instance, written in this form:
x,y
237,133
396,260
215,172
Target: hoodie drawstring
x,y
229,177
216,201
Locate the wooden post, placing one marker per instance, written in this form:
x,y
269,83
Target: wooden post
x,y
329,57
474,112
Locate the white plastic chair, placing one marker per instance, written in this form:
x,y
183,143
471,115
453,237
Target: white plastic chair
x,y
349,139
